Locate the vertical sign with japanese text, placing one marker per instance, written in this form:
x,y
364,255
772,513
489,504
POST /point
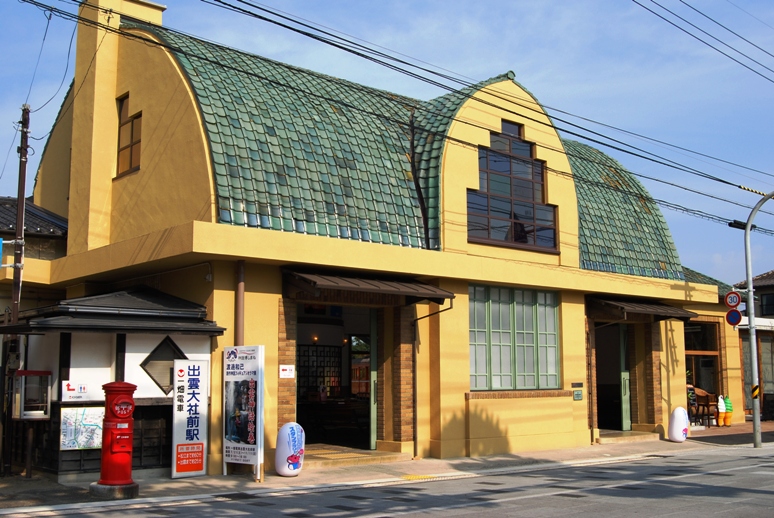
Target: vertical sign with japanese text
x,y
190,423
243,405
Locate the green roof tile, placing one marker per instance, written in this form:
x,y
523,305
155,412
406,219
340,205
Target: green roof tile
x,y
620,227
358,134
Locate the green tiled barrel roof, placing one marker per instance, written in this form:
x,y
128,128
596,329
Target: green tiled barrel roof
x,y
433,119
297,151
621,229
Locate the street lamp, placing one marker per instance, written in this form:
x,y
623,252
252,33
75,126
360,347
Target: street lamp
x,y
751,318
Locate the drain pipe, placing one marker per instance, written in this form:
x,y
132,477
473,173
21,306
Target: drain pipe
x,y
239,305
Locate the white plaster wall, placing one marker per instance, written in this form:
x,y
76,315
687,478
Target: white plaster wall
x,y
92,361
139,346
43,355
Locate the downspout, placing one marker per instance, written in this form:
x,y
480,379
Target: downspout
x,y
239,305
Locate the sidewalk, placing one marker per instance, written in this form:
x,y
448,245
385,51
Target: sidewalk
x,y
40,492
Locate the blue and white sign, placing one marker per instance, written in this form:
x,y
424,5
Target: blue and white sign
x,y
243,427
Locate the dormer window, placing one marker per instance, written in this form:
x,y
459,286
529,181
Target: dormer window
x,y
509,207
129,135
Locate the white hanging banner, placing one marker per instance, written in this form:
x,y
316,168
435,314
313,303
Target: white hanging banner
x,y
190,418
243,425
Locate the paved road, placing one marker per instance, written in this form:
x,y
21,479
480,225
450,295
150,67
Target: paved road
x,y
727,481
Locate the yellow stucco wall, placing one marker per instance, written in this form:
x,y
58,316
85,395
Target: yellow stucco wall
x,y
672,367
107,209
175,178
473,124
52,183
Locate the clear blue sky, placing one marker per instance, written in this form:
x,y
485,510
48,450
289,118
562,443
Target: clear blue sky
x,y
610,61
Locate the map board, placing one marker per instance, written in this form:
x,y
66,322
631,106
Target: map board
x,y
81,428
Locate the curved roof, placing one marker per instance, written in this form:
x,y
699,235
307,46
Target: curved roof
x,y
620,227
298,151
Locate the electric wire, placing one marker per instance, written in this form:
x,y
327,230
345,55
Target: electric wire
x,y
40,53
750,14
64,76
154,42
659,160
8,154
347,46
726,28
704,42
711,36
471,82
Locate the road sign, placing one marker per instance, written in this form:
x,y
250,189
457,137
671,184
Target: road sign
x,y
733,317
732,299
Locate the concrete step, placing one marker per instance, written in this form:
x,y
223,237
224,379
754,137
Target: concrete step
x,y
619,437
333,456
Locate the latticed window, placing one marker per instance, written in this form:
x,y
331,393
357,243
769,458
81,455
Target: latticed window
x,y
129,137
513,339
509,205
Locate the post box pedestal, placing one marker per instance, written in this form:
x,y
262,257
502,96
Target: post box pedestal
x,y
115,477
122,492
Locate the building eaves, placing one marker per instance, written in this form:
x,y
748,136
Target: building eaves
x,y
38,222
764,279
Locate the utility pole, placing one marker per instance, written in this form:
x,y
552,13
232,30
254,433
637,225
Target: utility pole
x,y
747,227
17,265
18,251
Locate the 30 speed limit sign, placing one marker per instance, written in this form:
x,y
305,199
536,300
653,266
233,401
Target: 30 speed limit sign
x,y
732,299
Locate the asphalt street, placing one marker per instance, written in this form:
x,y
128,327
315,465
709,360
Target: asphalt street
x,y
730,481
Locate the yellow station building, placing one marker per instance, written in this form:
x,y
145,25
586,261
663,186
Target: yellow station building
x,y
447,277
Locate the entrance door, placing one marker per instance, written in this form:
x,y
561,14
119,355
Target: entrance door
x,y
374,366
613,387
626,400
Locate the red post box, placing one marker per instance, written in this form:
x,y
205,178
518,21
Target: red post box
x,y
117,434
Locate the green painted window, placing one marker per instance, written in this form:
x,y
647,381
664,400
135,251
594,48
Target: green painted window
x,y
509,206
513,339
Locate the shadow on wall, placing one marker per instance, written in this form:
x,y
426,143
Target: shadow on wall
x,y
485,431
671,363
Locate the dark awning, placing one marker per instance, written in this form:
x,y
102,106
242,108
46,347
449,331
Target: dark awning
x,y
135,310
413,291
660,311
96,324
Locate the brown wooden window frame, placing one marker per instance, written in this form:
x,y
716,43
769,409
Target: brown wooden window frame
x,y
520,218
129,139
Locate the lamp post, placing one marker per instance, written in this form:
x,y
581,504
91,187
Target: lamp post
x,y
751,320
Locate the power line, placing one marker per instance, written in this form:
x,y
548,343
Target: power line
x,y
8,154
64,76
347,45
503,96
704,42
40,53
153,42
750,14
726,28
470,82
659,160
711,36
